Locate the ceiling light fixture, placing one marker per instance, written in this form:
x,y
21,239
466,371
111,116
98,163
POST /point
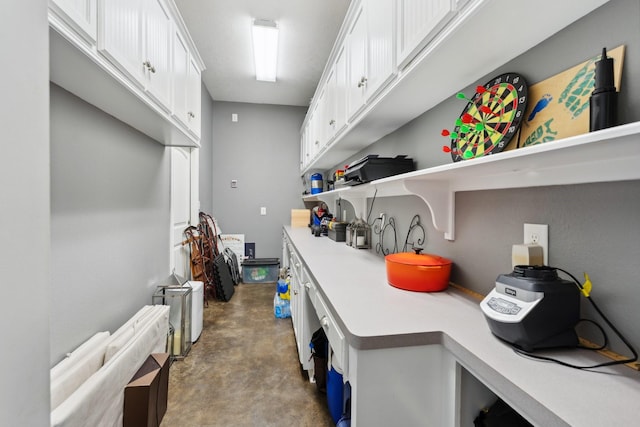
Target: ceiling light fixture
x,y
265,49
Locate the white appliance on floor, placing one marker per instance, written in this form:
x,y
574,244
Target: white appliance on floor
x,y
197,303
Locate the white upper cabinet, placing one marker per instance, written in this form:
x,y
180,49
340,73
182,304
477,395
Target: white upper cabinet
x,y
419,21
194,97
79,14
381,64
157,49
400,55
370,50
186,86
136,36
356,43
303,147
120,36
336,100
133,59
180,77
317,128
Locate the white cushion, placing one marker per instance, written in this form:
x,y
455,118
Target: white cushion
x,y
115,345
78,353
99,400
76,373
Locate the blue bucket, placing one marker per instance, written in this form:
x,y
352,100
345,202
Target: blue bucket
x,y
335,390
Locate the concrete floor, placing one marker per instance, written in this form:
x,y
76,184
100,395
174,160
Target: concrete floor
x,y
243,370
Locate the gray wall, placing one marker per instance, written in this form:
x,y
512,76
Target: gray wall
x,y
592,227
24,216
206,153
261,151
109,221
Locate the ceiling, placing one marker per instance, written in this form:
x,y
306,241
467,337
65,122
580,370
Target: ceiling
x,y
221,30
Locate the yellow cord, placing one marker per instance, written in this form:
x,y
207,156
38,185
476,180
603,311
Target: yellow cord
x,y
586,287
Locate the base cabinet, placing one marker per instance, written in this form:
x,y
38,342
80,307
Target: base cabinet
x,y
403,386
303,318
394,380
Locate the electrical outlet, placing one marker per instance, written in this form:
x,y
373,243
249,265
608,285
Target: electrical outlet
x,y
538,234
263,210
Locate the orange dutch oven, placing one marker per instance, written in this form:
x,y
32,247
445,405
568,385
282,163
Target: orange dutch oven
x,y
418,272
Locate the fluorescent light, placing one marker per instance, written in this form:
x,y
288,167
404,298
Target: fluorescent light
x,y
265,49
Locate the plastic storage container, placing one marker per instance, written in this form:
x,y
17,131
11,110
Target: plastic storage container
x,y
260,270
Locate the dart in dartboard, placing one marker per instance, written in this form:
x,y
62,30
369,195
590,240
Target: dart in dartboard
x,y
490,119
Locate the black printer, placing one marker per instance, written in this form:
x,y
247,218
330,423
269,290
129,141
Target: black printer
x,y
372,167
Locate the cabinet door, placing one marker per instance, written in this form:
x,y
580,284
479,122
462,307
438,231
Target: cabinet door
x,y
303,147
419,22
80,15
194,100
330,105
321,121
335,102
380,68
180,73
340,92
357,60
314,133
157,46
120,36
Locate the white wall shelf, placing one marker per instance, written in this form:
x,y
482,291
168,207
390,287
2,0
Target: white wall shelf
x,y
604,156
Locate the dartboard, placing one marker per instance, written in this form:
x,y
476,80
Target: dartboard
x,y
490,119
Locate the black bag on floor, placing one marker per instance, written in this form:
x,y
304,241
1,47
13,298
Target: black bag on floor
x,y
222,279
319,351
500,415
232,261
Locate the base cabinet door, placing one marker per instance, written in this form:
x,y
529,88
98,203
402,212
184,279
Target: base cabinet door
x,y
403,386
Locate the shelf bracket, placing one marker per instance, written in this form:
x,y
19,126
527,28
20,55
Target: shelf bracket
x,y
440,200
359,204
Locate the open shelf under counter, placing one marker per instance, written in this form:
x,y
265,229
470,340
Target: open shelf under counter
x,y
607,155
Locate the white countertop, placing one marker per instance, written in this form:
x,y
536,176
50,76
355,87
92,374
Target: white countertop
x,y
373,314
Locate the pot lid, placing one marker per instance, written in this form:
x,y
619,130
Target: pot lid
x,y
417,258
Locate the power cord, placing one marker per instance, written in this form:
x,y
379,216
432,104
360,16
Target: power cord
x,y
585,290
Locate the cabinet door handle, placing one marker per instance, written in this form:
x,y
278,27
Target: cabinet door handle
x,y
332,122
362,82
148,65
307,285
190,114
324,322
